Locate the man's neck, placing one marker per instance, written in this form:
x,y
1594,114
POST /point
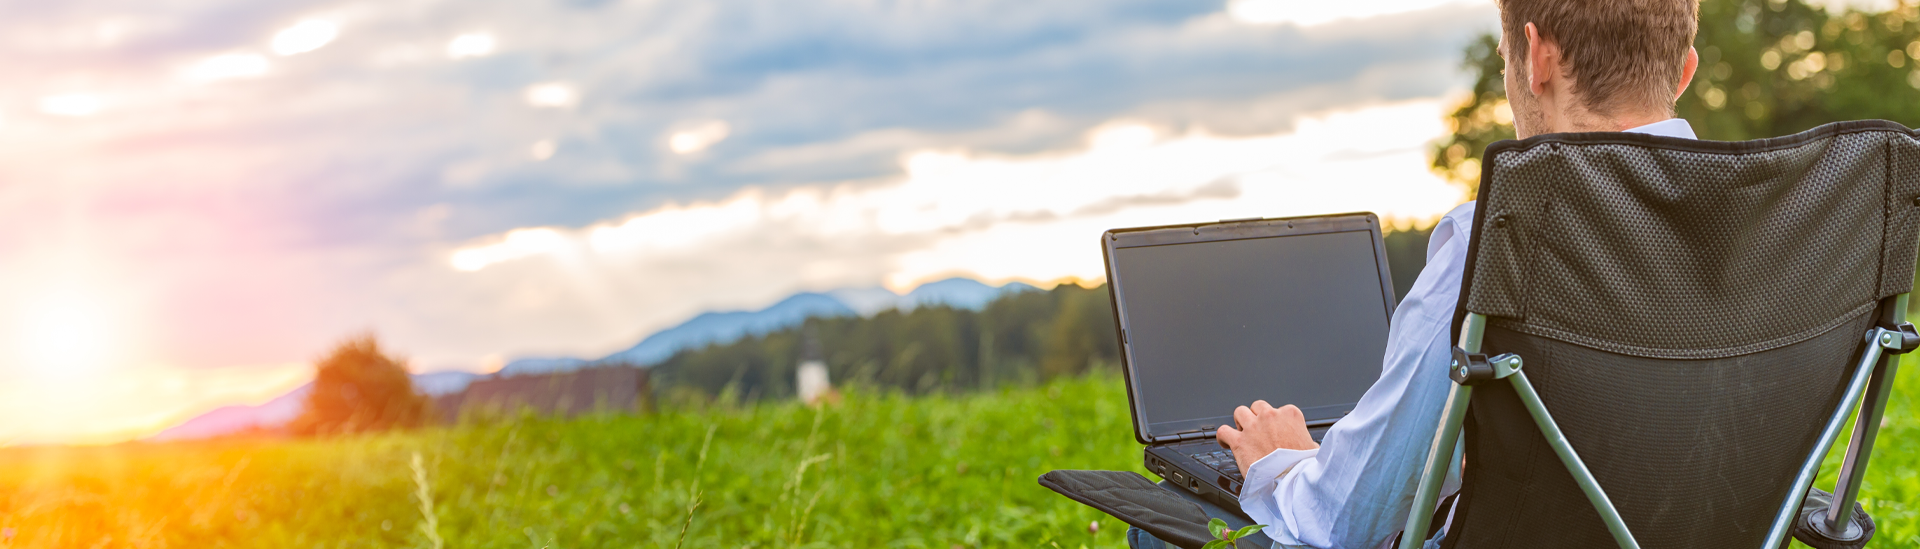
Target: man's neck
x,y
1624,123
1588,122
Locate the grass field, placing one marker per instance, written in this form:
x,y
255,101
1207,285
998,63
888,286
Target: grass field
x,y
873,471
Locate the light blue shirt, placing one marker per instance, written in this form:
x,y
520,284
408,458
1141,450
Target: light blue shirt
x,y
1354,491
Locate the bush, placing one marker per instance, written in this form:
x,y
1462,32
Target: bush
x,y
358,388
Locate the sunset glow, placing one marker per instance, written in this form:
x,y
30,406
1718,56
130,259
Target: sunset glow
x,y
69,332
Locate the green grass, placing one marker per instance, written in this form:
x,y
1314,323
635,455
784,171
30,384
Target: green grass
x,y
880,471
874,471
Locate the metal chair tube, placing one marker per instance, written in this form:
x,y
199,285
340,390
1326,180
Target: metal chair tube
x,y
1783,520
1866,425
1558,440
1446,437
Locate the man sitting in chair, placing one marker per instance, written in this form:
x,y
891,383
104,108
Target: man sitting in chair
x,y
1572,66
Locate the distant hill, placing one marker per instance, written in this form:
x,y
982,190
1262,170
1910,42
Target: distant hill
x,y
233,419
282,409
725,327
702,330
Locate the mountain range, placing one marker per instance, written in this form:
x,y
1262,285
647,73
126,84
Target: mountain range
x,y
704,329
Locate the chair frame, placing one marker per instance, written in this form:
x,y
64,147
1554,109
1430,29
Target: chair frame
x,y
1867,393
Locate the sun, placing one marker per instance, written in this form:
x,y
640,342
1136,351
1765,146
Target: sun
x,y
66,332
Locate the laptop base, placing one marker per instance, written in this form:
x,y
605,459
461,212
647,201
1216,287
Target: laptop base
x,y
1203,468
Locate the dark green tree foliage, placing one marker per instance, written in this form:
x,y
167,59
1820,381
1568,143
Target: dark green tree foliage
x,y
1767,68
1483,118
1771,68
358,388
1020,338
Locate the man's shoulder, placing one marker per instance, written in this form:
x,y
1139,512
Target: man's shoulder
x,y
1462,215
1456,223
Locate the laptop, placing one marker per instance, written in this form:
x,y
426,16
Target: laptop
x,y
1215,316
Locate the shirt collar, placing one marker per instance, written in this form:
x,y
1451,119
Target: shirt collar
x,y
1671,127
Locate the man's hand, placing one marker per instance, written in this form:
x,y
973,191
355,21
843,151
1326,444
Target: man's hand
x,y
1263,429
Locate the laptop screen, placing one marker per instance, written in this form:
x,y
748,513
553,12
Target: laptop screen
x,y
1212,325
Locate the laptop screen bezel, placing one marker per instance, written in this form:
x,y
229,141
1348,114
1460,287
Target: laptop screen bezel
x,y
1117,239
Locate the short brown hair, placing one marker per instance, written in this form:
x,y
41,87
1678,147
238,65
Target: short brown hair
x,y
1622,53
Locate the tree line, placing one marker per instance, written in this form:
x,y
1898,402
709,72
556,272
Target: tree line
x,y
1021,338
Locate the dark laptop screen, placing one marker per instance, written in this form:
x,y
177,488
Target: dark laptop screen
x,y
1290,319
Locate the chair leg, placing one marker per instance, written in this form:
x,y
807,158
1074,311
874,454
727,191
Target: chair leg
x,y
1789,509
1445,438
1866,428
1866,425
1439,463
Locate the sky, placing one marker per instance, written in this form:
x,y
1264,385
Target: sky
x,y
199,197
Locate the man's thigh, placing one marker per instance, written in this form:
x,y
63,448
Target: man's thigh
x,y
1140,539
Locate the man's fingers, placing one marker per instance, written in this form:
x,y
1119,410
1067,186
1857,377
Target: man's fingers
x,y
1227,437
1292,411
1261,408
1243,416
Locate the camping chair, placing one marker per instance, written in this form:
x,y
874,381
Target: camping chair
x,y
1659,339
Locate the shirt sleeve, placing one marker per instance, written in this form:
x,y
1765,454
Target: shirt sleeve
x,y
1263,476
1356,489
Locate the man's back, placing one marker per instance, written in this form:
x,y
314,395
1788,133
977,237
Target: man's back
x,y
1571,66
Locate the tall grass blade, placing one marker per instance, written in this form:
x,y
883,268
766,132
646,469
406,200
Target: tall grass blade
x,y
693,493
430,526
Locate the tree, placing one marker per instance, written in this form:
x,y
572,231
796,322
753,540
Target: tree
x,y
1767,68
358,388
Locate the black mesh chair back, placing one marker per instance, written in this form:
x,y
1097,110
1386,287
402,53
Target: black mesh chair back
x,y
1691,315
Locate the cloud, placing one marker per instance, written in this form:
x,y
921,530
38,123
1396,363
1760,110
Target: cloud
x,y
1027,217
305,36
1310,12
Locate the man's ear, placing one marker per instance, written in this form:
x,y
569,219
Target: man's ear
x,y
1687,69
1543,60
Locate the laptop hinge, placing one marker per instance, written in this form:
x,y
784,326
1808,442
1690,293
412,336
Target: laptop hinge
x,y
1183,436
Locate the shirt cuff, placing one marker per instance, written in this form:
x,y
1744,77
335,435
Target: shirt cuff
x,y
1264,475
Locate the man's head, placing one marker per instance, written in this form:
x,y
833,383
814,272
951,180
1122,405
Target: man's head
x,y
1595,65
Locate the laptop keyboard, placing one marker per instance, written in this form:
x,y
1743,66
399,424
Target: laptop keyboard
x,y
1222,461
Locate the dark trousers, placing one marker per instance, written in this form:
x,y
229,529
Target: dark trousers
x,y
1140,539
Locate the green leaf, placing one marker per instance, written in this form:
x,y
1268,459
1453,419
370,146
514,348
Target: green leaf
x,y
1216,544
1216,526
1244,532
